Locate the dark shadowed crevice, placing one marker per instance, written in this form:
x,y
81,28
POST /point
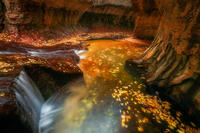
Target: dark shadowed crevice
x,y
2,16
106,20
47,80
12,123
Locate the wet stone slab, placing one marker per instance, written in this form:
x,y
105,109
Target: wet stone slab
x,y
60,57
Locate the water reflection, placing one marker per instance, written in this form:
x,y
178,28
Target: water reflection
x,y
109,100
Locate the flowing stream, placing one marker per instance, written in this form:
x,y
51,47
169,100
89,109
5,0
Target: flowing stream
x,y
108,99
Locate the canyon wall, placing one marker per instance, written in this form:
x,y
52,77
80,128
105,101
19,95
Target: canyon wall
x,y
16,14
23,15
146,26
173,58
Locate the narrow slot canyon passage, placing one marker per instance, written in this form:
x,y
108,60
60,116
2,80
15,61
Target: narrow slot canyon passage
x,y
99,66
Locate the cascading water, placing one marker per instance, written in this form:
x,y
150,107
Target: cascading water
x,y
29,99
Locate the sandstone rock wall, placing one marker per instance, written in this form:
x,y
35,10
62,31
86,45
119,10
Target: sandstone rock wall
x,y
173,58
146,26
16,15
23,14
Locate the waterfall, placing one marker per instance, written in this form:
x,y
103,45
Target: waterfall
x,y
29,99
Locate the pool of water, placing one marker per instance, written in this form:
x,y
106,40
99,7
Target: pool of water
x,y
108,99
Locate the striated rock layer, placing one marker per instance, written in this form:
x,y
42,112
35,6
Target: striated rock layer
x,y
173,58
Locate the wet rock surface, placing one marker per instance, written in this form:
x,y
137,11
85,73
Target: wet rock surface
x,y
60,58
7,96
